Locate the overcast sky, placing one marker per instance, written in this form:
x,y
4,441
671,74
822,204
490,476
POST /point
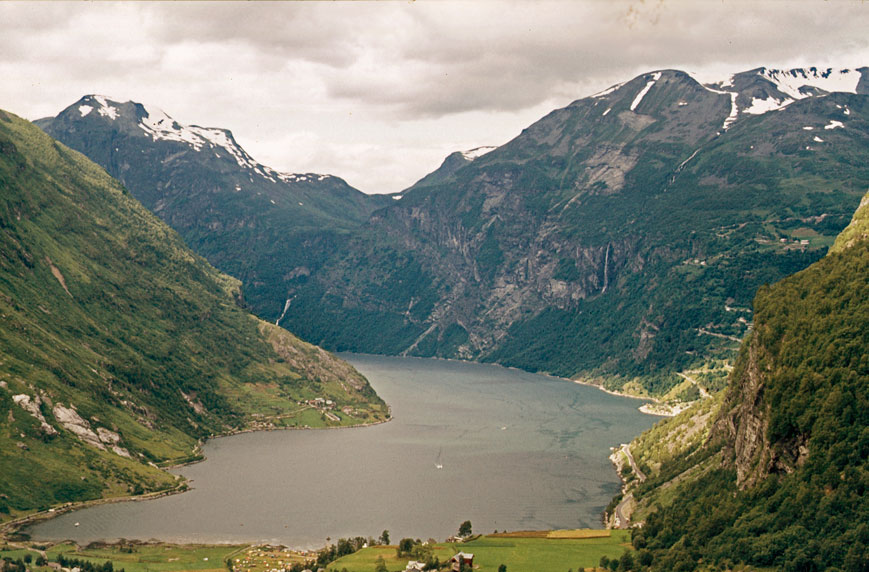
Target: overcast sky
x,y
379,93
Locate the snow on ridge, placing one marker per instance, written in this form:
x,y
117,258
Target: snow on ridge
x,y
734,109
655,77
157,124
160,126
477,152
829,80
607,91
303,177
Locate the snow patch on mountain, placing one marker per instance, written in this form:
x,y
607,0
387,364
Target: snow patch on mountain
x,y
833,124
477,152
608,91
655,77
761,106
105,109
85,109
301,177
792,82
734,109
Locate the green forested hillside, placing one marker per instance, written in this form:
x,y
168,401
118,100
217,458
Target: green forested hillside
x,y
783,479
120,348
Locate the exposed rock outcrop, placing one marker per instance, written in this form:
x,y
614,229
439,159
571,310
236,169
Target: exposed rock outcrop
x,y
101,438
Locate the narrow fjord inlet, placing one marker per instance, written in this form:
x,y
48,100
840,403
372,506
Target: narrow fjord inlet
x,y
519,451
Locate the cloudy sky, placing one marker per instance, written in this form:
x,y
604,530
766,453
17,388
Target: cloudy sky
x,y
379,92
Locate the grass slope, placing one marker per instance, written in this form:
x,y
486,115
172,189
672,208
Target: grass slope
x,y
112,330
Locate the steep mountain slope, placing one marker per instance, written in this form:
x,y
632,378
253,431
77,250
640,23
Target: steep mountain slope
x,y
782,478
120,348
620,238
624,235
247,219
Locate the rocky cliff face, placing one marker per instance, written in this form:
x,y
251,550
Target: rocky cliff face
x,y
744,425
629,229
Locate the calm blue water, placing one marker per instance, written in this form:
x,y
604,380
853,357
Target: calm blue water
x,y
519,451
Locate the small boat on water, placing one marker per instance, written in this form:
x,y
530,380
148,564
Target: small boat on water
x,y
438,463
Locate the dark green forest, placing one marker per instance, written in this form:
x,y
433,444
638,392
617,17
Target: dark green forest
x,y
811,336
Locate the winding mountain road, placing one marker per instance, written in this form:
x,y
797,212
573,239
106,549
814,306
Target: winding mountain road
x,y
623,520
626,449
703,393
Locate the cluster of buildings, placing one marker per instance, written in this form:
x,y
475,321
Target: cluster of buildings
x,y
460,561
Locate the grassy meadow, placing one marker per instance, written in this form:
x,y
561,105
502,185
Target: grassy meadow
x,y
518,551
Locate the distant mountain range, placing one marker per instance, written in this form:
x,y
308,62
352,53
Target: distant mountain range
x,y
120,349
621,238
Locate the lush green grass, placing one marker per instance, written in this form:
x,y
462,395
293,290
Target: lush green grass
x,y
152,557
518,554
16,553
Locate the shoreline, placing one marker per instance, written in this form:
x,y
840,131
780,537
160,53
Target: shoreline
x,y
651,407
14,526
655,407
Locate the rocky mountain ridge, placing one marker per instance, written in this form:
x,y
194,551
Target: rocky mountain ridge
x,y
620,238
249,220
522,247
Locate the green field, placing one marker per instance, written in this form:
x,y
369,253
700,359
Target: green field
x,y
14,553
152,557
518,554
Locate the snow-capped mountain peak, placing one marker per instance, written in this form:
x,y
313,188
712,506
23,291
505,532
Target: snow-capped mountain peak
x,y
101,104
155,124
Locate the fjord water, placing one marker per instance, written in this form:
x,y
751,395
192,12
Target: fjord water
x,y
518,451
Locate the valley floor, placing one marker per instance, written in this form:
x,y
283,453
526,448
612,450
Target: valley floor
x,y
541,551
